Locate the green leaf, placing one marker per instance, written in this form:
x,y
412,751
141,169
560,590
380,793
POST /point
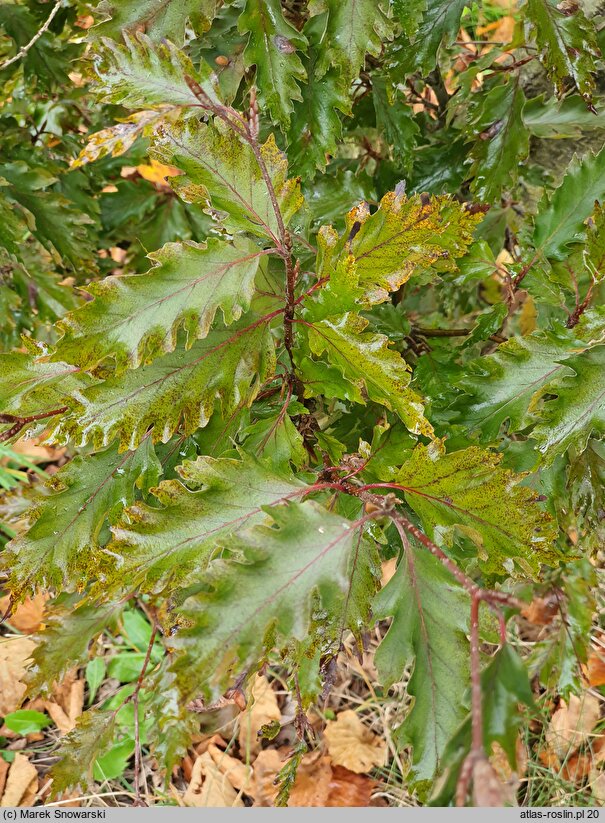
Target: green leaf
x,y
569,43
410,14
440,24
141,74
263,593
61,548
469,492
135,318
504,687
95,675
272,48
179,390
173,726
159,19
13,228
396,122
503,141
354,28
503,385
561,217
26,721
64,642
112,764
219,169
555,119
315,126
29,386
430,614
92,736
578,409
369,367
158,545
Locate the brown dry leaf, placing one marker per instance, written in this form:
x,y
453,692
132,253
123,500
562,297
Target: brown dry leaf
x,y
576,768
266,767
209,787
509,778
596,782
595,669
27,616
67,705
236,772
312,784
352,745
30,447
21,783
349,789
388,570
541,611
487,788
262,709
572,723
14,654
4,767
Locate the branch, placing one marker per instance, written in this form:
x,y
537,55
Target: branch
x,y
19,422
24,49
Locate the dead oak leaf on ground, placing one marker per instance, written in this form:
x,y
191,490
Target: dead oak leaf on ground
x,y
595,669
349,789
236,772
209,787
21,783
27,616
312,784
572,724
262,709
14,655
353,745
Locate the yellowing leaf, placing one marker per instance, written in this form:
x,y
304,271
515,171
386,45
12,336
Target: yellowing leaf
x,y
156,172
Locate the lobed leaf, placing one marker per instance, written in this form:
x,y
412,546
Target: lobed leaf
x,y
469,492
220,170
159,19
61,547
429,627
135,318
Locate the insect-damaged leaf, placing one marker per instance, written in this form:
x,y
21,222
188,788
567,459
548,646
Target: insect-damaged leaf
x,y
429,629
469,492
135,318
61,547
262,593
219,169
179,389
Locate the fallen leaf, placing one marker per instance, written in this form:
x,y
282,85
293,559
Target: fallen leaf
x,y
508,777
209,787
266,766
572,723
236,772
595,669
312,784
349,789
32,448
27,616
21,783
4,767
263,710
352,745
596,781
576,768
541,611
14,654
487,788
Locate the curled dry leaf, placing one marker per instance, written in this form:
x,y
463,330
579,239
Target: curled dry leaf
x,y
14,654
27,616
21,783
352,745
236,772
349,789
595,669
312,784
209,787
266,766
487,788
262,709
572,724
